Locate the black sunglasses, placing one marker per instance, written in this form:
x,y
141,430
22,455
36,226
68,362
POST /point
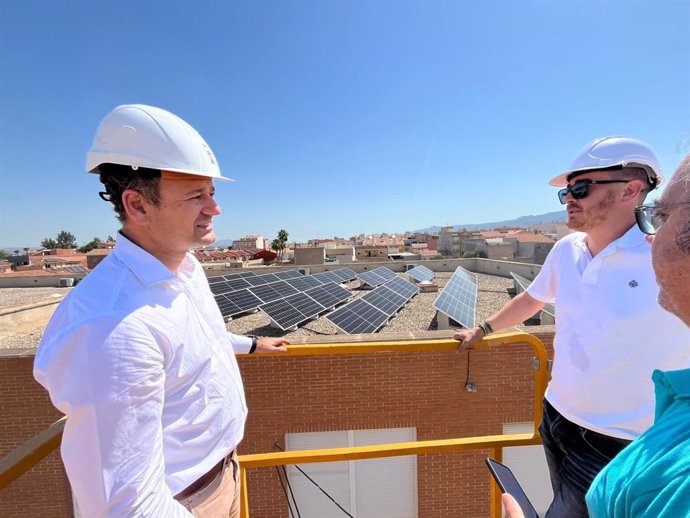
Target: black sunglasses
x,y
580,189
650,217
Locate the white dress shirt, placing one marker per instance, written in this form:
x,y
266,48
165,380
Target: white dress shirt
x,y
140,361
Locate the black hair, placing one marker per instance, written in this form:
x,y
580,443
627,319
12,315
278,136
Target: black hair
x,y
116,178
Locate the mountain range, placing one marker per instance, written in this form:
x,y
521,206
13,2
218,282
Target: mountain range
x,y
523,221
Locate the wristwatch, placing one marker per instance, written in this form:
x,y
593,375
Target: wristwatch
x,y
255,342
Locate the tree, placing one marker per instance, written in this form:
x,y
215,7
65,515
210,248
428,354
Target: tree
x,y
3,254
66,240
89,246
275,245
49,243
278,244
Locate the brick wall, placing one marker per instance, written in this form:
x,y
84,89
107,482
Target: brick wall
x,y
310,394
25,410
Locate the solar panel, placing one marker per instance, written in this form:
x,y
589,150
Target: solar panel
x,y
237,283
265,292
283,314
284,288
259,280
385,300
236,302
421,273
358,317
329,294
289,274
244,299
345,274
402,287
220,287
304,282
325,277
239,275
458,299
371,278
216,279
76,269
227,307
549,308
384,272
305,304
291,311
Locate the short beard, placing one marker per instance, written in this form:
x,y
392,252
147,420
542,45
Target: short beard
x,y
594,216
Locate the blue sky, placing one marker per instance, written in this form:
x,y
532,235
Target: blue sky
x,y
337,117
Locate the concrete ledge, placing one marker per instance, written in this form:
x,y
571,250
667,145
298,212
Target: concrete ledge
x,y
22,319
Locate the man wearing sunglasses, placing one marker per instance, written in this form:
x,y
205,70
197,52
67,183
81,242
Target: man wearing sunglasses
x,y
610,331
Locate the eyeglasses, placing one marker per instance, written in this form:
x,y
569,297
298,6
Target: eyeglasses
x,y
650,217
580,189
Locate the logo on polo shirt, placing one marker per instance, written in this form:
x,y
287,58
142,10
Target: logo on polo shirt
x,y
633,284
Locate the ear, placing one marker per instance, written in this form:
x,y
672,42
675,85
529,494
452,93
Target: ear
x,y
633,190
136,207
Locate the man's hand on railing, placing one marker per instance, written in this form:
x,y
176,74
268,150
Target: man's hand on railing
x,y
468,337
272,345
511,506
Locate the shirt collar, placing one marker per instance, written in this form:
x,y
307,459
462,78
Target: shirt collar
x,y
146,267
633,237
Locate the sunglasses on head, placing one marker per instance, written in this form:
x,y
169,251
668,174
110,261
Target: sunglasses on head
x,y
650,217
580,189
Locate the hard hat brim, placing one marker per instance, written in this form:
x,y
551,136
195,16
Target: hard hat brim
x,y
654,179
178,175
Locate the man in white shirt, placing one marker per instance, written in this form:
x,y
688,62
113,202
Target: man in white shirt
x,y
601,395
137,355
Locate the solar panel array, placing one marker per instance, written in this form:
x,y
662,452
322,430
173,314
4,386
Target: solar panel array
x,y
75,269
458,299
549,308
376,277
245,291
421,273
370,312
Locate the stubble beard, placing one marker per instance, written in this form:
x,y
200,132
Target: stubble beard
x,y
593,217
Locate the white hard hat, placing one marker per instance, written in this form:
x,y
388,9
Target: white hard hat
x,y
610,152
145,136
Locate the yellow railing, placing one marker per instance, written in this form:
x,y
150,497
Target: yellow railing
x,y
494,443
30,453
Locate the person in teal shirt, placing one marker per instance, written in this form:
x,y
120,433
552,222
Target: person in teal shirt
x,y
651,477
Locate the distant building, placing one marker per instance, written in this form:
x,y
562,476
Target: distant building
x,y
372,252
531,246
310,255
450,241
250,243
341,254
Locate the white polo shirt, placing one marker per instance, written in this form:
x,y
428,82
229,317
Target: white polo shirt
x,y
611,333
140,361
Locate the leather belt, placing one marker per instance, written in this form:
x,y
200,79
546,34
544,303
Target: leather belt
x,y
204,480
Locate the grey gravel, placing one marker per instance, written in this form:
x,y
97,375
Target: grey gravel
x,y
418,315
14,297
19,297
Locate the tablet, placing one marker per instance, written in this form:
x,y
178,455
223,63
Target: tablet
x,y
508,484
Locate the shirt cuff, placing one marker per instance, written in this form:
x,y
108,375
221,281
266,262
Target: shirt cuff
x,y
241,344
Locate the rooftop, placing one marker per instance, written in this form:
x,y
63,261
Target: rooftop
x,y
418,315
